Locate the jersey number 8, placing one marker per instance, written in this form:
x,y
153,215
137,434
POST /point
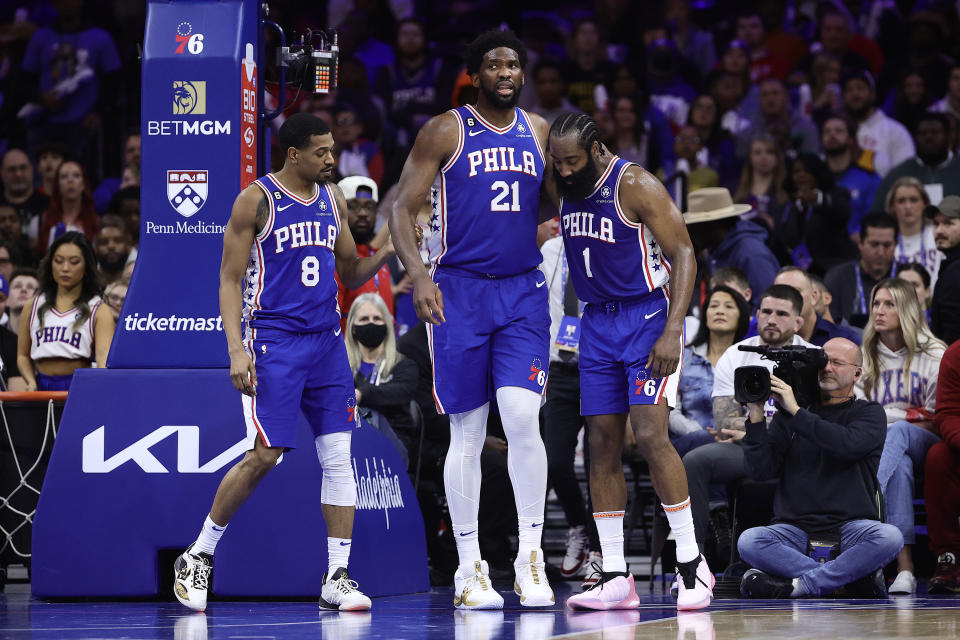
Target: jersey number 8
x,y
310,271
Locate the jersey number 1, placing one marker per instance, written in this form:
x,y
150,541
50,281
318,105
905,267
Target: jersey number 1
x,y
498,204
586,261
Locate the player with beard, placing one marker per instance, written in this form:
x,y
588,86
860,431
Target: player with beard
x,y
286,236
489,329
632,262
112,245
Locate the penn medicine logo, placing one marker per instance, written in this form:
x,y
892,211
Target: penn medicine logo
x,y
187,190
189,97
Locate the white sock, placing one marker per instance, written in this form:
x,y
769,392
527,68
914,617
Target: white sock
x,y
610,530
468,545
531,531
461,479
209,536
680,517
338,554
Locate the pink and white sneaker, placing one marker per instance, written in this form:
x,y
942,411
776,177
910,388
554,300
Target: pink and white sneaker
x,y
695,584
612,590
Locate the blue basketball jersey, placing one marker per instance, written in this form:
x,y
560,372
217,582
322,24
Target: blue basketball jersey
x,y
486,199
290,282
610,257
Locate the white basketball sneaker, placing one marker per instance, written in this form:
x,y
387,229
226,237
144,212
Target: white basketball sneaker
x,y
576,553
473,589
695,584
531,581
340,592
191,578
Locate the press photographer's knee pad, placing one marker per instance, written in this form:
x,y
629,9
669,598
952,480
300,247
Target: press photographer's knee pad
x,y
339,487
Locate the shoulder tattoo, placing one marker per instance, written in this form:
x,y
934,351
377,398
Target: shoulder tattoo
x,y
263,213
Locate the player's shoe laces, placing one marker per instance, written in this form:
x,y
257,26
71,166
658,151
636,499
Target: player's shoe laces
x,y
340,592
695,584
531,581
612,590
191,578
473,589
576,553
590,576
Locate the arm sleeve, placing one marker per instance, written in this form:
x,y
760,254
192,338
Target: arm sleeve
x,y
764,450
395,393
864,431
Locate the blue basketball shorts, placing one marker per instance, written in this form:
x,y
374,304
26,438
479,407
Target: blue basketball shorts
x,y
296,372
615,343
496,334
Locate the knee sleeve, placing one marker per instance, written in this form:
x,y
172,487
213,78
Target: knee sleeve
x,y
526,456
339,486
461,468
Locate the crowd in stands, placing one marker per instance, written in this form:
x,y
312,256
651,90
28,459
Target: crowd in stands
x,y
826,134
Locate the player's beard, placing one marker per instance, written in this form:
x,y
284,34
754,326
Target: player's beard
x,y
499,102
362,237
580,184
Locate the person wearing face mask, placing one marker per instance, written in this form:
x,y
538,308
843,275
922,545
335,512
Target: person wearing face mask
x,y
385,381
362,197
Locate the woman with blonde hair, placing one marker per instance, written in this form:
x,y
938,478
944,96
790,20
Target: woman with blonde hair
x,y
907,200
384,379
901,361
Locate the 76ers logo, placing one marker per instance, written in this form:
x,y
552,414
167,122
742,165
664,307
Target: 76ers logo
x,y
646,386
351,409
187,191
187,39
537,373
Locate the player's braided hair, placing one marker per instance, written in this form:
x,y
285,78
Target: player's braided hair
x,y
474,52
580,123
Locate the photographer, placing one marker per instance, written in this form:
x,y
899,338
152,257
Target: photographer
x,y
825,459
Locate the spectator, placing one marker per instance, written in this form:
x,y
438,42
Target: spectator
x,y
736,62
356,156
49,156
74,70
761,183
901,362
794,132
737,280
729,91
714,226
129,175
23,286
113,248
824,85
908,100
942,483
361,194
850,168
68,328
778,319
9,259
562,421
850,282
917,275
950,103
907,200
718,149
587,67
826,487
11,233
114,295
764,64
669,91
687,147
126,204
813,226
385,381
821,303
695,44
17,174
727,317
815,330
551,89
71,207
945,308
935,165
635,139
875,131
838,38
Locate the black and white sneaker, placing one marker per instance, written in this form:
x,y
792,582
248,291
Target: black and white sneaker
x,y
757,584
340,592
191,578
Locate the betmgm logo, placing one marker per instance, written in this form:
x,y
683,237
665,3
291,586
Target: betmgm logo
x,y
189,97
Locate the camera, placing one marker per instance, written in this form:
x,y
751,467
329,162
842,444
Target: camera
x,y
796,365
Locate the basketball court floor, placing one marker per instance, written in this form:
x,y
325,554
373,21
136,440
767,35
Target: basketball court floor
x,y
431,615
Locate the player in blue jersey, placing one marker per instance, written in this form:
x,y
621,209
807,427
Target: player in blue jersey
x,y
632,262
286,235
482,166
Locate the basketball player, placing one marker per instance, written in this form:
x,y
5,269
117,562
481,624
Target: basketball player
x,y
286,234
631,260
489,329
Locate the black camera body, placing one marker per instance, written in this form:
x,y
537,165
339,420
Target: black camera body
x,y
796,365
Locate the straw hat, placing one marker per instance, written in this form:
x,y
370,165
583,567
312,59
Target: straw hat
x,y
711,203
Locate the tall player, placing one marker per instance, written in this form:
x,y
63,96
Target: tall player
x,y
631,260
286,235
489,328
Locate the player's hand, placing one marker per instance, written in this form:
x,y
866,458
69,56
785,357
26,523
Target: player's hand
x,y
665,354
243,373
783,394
30,386
428,301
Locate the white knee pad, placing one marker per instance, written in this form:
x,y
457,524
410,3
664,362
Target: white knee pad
x,y
339,486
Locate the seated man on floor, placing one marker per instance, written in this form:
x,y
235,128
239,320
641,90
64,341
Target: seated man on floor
x,y
825,458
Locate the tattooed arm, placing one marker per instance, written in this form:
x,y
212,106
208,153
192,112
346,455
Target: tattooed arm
x,y
728,414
